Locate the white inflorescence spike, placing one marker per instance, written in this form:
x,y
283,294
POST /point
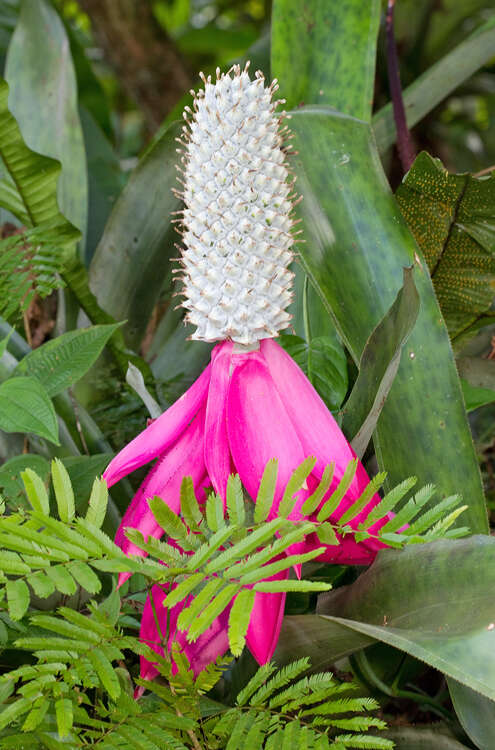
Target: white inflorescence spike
x,y
237,218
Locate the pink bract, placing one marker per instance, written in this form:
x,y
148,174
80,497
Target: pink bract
x,y
246,408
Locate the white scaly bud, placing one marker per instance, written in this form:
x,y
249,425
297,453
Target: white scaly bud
x,y
237,223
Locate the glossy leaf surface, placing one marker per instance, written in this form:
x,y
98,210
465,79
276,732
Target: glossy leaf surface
x,y
132,260
329,69
412,601
43,99
379,365
26,407
476,714
356,246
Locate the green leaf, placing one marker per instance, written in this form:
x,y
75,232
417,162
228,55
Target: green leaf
x,y
10,481
14,710
169,522
475,397
314,500
214,512
452,218
416,738
335,498
39,70
26,407
235,501
379,364
35,176
105,672
61,362
324,361
98,501
239,618
136,226
17,598
436,83
85,577
266,491
36,491
62,579
275,587
215,607
189,504
297,480
64,716
64,494
41,584
348,204
312,57
410,600
363,500
475,712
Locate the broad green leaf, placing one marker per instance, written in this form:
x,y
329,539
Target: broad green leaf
x,y
306,635
475,397
139,231
411,600
61,362
64,494
452,218
417,738
26,407
36,491
378,365
17,598
39,71
35,176
348,204
314,60
105,177
324,361
475,712
98,501
436,83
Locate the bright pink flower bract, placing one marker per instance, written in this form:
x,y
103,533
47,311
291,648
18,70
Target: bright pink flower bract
x,y
247,407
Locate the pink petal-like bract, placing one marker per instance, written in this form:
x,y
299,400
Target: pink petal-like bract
x,y
315,426
246,408
266,621
161,433
216,445
259,428
185,458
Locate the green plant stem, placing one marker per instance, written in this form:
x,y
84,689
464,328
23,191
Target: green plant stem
x,y
370,676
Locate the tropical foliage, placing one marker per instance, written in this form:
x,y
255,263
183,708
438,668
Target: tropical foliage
x,y
125,633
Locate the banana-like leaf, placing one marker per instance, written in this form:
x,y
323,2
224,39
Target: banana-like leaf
x,y
132,261
379,364
476,714
435,84
356,248
412,601
452,218
417,738
324,53
43,99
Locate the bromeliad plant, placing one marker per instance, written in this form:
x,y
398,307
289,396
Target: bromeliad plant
x,y
251,406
